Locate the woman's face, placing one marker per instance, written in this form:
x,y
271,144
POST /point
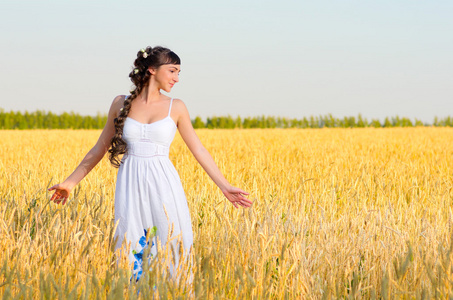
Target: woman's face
x,y
166,76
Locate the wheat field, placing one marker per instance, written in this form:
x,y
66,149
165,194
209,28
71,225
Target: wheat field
x,y
338,213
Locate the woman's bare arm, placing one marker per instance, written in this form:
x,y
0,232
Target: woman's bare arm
x,y
235,195
92,158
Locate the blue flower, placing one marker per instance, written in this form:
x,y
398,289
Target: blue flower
x,y
142,241
138,255
136,265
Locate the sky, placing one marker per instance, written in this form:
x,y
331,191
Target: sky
x,y
287,58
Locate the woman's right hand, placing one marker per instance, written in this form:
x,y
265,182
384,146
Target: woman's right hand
x,y
62,191
237,196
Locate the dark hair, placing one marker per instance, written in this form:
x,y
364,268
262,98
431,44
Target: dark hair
x,y
140,75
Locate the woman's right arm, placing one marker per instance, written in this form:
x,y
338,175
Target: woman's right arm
x,y
92,158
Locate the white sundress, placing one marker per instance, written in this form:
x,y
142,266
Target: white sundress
x,y
147,185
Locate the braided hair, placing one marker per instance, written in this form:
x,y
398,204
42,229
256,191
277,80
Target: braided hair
x,y
140,75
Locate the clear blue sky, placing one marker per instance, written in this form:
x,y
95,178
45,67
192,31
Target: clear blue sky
x,y
281,58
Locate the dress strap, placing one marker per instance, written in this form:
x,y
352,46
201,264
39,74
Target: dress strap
x,y
169,110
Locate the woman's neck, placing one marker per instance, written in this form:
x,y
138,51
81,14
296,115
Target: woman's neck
x,y
150,94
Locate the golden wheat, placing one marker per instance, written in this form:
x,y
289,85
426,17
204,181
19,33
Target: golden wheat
x,y
358,213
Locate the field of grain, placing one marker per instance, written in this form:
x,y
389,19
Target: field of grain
x,y
357,213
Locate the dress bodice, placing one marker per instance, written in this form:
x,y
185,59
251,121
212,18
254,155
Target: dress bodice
x,y
149,139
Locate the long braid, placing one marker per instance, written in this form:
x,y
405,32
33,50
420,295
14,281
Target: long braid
x,y
140,76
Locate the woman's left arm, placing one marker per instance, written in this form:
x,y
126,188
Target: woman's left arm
x,y
235,195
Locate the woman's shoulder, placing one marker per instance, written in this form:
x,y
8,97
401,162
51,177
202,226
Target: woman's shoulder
x,y
119,100
117,104
178,104
180,108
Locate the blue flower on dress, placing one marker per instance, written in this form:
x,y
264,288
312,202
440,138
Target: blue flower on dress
x,y
138,256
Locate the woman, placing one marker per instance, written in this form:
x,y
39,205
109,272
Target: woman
x,y
149,193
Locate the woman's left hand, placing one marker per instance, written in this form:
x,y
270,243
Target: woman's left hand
x,y
237,196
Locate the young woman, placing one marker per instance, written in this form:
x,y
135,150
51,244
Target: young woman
x,y
149,193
